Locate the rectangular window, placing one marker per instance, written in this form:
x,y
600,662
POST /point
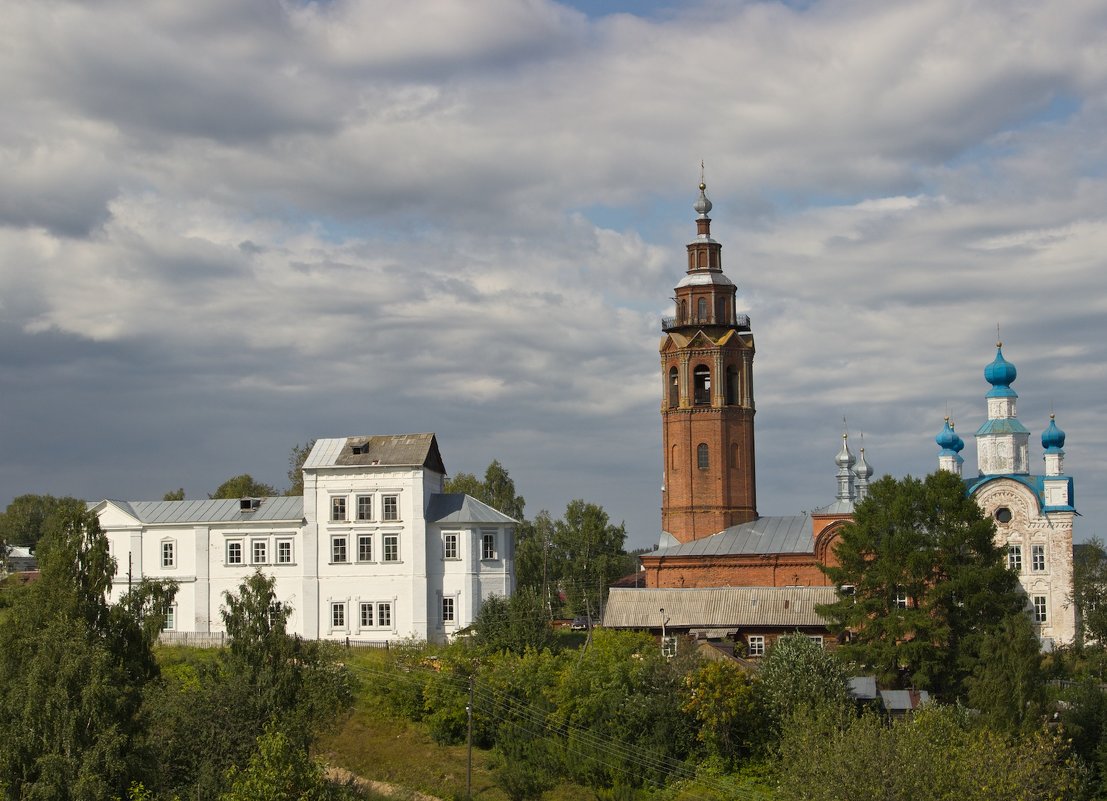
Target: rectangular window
x,y
757,645
260,552
449,546
284,552
364,507
901,599
168,554
365,548
488,546
384,614
816,638
367,615
448,610
1014,557
392,547
338,509
170,618
1040,615
338,550
338,616
234,552
1037,558
391,507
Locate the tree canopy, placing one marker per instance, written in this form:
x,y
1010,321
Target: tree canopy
x,y
24,520
296,461
243,486
496,489
1089,581
921,583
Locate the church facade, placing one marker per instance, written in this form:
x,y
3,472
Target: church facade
x,y
1033,514
372,550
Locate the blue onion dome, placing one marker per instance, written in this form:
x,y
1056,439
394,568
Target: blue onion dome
x,y
845,458
1000,374
702,204
1053,438
949,440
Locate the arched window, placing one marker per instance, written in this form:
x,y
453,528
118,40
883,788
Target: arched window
x,y
720,311
701,383
734,455
673,464
674,388
702,460
732,386
701,311
682,312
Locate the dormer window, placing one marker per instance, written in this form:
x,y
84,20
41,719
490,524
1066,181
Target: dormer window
x,y
359,447
249,504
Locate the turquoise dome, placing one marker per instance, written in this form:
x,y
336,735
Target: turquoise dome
x,y
949,440
1000,374
1053,438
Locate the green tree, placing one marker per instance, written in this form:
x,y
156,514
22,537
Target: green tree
x,y
1007,685
296,461
534,567
589,553
174,495
523,764
928,582
935,755
24,520
207,718
73,668
799,674
1089,582
497,490
243,486
279,770
513,624
719,695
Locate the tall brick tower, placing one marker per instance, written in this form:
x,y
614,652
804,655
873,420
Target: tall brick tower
x,y
707,399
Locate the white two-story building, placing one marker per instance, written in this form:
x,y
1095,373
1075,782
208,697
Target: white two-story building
x,y
372,550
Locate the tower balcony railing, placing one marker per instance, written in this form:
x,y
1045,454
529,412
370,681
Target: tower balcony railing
x,y
740,322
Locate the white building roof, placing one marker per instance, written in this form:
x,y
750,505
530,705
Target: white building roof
x,y
221,510
457,507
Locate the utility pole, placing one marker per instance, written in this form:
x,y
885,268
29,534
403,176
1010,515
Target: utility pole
x,y
469,763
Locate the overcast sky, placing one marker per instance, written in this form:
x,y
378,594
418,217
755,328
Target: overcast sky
x,y
230,226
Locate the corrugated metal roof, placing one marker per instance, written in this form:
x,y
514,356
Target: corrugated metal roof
x,y
222,510
414,450
457,507
903,700
763,535
717,607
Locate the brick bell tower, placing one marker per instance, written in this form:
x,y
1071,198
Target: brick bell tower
x,y
707,399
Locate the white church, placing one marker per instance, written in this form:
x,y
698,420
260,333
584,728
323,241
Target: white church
x,y
1033,514
373,549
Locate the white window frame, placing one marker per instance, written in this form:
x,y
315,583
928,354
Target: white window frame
x,y
755,645
1041,608
264,547
170,622
390,550
1037,558
338,509
286,541
367,514
366,620
234,544
816,638
340,541
900,601
338,616
449,609
1014,557
168,554
384,615
365,547
390,508
450,546
488,554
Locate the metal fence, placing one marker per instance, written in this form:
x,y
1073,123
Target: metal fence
x,y
377,644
